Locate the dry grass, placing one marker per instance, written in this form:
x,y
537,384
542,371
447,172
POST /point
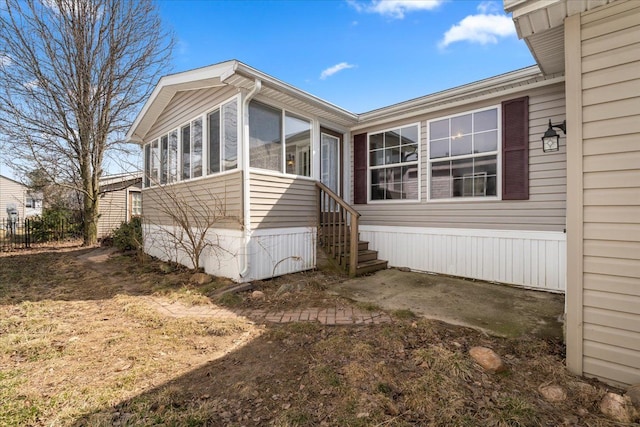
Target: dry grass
x,y
80,345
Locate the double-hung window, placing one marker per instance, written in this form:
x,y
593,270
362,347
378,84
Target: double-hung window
x,y
393,164
463,155
271,129
223,137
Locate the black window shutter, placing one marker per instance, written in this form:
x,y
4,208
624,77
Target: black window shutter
x,y
515,149
360,169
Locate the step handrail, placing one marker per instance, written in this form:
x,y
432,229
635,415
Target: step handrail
x,y
353,223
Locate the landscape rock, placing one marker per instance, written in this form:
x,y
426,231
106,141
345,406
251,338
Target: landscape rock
x,y
200,279
634,394
257,295
165,268
617,407
488,359
552,393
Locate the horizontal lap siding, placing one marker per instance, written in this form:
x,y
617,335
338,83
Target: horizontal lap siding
x,y
545,209
113,211
11,192
280,202
611,182
216,197
186,106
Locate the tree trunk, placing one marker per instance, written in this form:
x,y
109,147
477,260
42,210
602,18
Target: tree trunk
x,y
90,225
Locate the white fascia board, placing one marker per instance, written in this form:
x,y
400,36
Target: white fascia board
x,y
170,84
293,91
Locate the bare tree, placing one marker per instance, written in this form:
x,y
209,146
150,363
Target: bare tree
x,y
184,219
73,73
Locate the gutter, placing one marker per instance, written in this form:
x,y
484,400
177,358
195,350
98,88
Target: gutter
x,y
246,199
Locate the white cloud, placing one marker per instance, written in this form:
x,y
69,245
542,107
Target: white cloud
x,y
394,8
334,69
488,7
5,60
483,28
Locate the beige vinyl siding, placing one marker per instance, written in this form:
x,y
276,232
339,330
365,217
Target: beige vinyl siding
x,y
11,192
610,49
185,106
545,209
113,211
217,197
281,202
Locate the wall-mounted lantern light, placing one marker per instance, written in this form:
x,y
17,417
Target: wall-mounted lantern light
x,y
551,139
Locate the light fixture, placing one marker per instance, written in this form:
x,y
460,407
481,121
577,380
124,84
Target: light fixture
x,y
291,159
551,139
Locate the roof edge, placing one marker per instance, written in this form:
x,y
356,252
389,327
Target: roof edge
x,y
513,77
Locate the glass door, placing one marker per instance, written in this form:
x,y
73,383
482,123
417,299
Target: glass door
x,y
330,162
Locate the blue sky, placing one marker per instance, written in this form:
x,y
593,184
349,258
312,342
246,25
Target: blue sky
x,y
357,54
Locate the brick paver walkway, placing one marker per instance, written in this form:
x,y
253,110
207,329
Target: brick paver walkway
x,y
326,316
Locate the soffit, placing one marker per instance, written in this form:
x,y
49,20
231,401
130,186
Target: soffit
x,y
243,77
541,24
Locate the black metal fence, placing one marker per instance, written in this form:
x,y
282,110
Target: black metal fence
x,y
22,234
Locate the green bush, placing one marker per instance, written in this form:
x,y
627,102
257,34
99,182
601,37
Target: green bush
x,y
54,225
129,235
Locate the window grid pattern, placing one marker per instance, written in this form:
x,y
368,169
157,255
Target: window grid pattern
x,y
463,155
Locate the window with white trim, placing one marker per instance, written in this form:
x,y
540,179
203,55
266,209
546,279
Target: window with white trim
x,y
393,164
463,155
223,138
136,203
271,129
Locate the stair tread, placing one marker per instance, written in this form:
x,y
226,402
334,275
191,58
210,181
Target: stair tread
x,y
371,262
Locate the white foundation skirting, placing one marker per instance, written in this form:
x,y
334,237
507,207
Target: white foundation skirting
x,y
534,259
272,252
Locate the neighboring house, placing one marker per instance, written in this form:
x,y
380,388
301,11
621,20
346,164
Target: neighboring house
x,y
120,200
18,196
456,182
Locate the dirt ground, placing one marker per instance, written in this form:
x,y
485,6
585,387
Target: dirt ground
x,y
81,346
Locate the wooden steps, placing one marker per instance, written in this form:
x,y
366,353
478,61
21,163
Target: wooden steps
x,y
338,229
337,246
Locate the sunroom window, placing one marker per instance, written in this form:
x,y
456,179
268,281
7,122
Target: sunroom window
x,y
463,155
223,138
393,164
269,130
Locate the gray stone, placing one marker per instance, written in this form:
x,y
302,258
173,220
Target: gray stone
x,y
488,359
552,393
617,407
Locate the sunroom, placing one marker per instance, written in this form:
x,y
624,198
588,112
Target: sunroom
x,y
231,161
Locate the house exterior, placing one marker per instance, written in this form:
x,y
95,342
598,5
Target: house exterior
x,y
456,182
14,194
120,200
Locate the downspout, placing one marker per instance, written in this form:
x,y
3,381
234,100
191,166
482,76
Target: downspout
x,y
246,200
